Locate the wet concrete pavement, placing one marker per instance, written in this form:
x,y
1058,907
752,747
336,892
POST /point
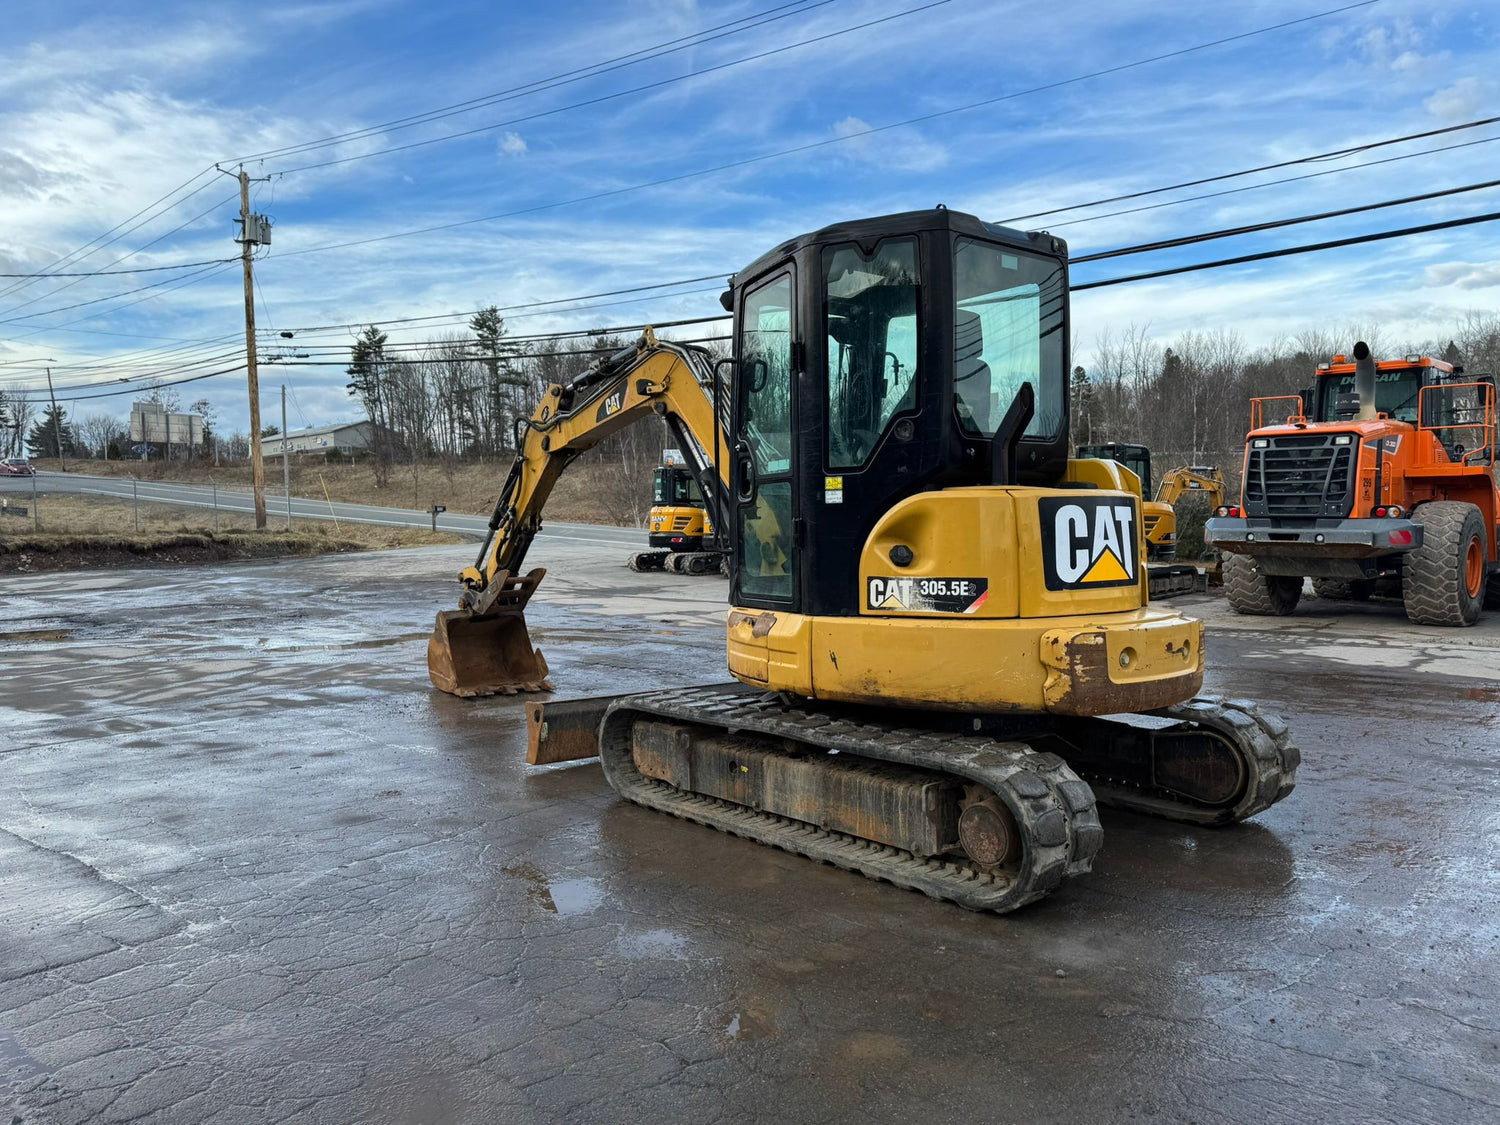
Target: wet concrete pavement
x,y
252,868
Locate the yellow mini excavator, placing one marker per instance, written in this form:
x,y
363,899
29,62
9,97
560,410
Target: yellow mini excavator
x,y
940,624
682,536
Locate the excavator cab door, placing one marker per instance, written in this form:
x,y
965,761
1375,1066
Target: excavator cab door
x,y
764,492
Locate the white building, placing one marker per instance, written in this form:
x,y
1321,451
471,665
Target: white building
x,y
348,438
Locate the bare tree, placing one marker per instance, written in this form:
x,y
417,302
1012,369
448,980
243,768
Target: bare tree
x,y
97,432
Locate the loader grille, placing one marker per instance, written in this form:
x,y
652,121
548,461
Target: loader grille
x,y
1304,475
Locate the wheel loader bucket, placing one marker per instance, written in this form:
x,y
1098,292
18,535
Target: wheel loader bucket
x,y
469,655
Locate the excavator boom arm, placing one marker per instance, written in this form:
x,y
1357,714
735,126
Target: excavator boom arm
x,y
648,377
483,648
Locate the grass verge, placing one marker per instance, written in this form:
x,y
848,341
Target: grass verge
x,y
78,533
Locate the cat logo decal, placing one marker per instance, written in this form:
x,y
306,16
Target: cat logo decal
x,y
1089,542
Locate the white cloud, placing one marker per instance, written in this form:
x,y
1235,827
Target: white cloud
x,y
1463,275
1460,101
511,144
903,150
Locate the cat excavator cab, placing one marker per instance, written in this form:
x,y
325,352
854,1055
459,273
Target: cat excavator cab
x,y
939,627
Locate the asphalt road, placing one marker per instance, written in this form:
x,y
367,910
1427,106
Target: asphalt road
x,y
232,500
254,869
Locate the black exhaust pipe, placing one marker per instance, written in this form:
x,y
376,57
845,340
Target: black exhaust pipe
x,y
1364,381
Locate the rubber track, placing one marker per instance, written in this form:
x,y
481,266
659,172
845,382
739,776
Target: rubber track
x,y
1264,743
1053,807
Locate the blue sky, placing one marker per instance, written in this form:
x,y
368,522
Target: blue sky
x,y
106,107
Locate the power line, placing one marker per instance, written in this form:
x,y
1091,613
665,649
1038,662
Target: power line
x,y
114,273
117,261
506,356
1333,154
593,70
85,247
114,296
145,384
1273,183
1356,240
1265,255
659,84
507,308
1275,224
827,141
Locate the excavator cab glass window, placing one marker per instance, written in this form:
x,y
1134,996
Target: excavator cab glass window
x,y
766,376
764,479
870,303
1007,330
1396,394
672,485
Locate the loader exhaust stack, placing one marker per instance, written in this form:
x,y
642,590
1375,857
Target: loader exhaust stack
x,y
1364,381
485,648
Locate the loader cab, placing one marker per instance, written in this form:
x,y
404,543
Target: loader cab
x,y
875,360
1398,388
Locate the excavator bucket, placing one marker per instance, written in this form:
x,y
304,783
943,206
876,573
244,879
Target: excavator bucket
x,y
488,652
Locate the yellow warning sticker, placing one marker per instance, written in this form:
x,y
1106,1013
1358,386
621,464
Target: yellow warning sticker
x,y
835,484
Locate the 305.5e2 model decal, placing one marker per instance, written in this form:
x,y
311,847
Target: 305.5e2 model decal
x,y
928,595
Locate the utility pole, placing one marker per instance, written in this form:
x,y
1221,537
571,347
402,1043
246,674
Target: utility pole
x,y
252,234
56,423
286,462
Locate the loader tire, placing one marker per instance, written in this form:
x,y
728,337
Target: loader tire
x,y
1261,595
1492,592
1443,583
1338,590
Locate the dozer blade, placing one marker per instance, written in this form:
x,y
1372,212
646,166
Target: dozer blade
x,y
469,655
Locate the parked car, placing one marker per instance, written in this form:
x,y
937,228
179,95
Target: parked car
x,y
16,467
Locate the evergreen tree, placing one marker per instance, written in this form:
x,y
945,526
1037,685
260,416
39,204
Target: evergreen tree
x,y
499,380
1081,395
367,373
42,440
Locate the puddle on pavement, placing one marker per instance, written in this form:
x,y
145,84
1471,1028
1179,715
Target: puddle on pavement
x,y
34,636
653,944
375,642
16,1061
556,896
750,1023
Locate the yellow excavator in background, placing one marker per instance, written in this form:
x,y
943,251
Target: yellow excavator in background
x,y
681,536
1206,481
939,623
1167,576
